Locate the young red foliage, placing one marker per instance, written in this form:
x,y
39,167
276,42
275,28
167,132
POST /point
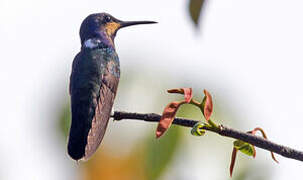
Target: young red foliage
x,y
208,105
265,137
167,117
234,153
171,109
233,160
188,93
178,91
254,150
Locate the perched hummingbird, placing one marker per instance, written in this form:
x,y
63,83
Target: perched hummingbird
x,y
93,83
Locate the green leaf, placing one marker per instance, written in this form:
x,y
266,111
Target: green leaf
x,y
245,148
195,7
197,129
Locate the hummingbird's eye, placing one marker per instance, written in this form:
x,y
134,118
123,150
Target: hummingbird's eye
x,y
107,18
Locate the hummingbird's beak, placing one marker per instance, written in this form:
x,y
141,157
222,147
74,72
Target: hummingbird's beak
x,y
113,27
130,23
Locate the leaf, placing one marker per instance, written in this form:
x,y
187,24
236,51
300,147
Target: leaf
x,y
178,91
265,137
171,109
207,105
254,151
245,148
188,93
233,160
167,117
195,7
198,130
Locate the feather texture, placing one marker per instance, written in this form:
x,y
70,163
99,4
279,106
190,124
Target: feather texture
x,y
93,85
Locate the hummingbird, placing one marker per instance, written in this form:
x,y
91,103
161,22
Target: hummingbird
x,y
93,83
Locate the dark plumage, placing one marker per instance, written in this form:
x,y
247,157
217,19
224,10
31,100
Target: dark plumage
x,y
93,83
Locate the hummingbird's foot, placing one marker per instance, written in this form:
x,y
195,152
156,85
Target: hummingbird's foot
x,y
112,114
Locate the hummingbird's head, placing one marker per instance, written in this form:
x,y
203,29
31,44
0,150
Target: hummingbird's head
x,y
104,27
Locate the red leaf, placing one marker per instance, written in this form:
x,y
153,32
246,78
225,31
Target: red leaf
x,y
233,160
167,117
265,137
188,93
179,91
208,105
254,150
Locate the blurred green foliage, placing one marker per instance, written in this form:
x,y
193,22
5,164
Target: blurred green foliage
x,y
160,152
64,120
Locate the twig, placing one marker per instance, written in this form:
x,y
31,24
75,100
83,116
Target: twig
x,y
223,131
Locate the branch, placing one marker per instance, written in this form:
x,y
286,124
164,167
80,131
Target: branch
x,y
223,131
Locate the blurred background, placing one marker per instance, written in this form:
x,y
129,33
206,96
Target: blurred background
x,y
247,54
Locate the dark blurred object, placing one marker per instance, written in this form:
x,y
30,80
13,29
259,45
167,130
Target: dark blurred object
x,y
195,8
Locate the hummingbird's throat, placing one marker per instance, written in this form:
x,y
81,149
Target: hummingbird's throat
x,y
111,28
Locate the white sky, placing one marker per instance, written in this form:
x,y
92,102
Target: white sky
x,y
248,52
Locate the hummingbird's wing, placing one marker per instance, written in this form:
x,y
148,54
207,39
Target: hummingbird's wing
x,y
103,110
93,85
